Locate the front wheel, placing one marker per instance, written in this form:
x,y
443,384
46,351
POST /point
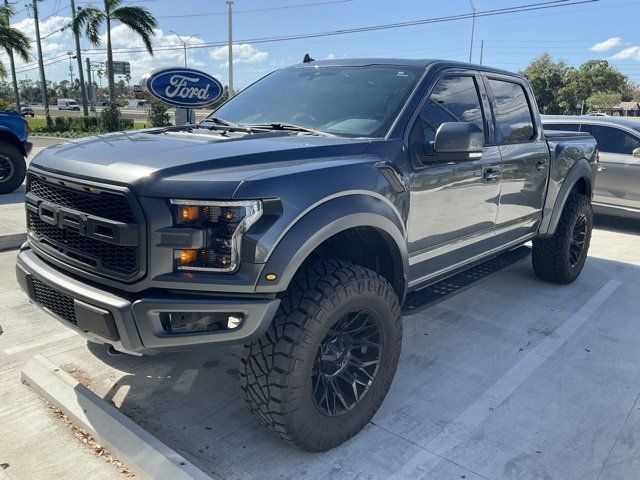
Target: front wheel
x,y
325,365
560,258
12,168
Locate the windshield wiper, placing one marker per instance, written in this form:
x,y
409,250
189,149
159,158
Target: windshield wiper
x,y
222,124
291,127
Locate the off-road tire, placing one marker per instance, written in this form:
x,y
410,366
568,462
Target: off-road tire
x,y
551,256
18,167
278,367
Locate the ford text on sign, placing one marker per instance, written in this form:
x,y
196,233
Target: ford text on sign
x,y
183,87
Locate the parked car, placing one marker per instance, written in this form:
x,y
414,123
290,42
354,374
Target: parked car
x,y
14,148
297,218
26,110
68,104
617,187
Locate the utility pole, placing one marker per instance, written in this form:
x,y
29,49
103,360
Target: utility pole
x,y
481,50
43,80
16,93
184,45
230,3
90,85
473,28
83,91
70,53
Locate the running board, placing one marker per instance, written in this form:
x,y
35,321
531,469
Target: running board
x,y
432,294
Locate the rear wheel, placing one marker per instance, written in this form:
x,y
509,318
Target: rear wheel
x,y
560,258
323,368
12,168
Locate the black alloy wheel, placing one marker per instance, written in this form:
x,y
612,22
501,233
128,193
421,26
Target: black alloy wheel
x,y
578,239
347,362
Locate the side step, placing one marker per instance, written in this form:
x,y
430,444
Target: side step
x,y
432,294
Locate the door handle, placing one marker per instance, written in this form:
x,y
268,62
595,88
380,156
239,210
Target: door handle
x,y
541,165
491,174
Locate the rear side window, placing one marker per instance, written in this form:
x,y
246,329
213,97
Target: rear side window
x,y
614,140
564,127
453,99
513,115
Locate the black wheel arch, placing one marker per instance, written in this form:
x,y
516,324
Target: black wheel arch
x,y
579,178
373,219
12,139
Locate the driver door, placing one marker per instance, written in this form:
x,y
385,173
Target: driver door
x,y
454,204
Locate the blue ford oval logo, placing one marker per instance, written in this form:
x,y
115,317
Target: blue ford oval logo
x,y
183,87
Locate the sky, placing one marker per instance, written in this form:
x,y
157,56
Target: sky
x,y
606,29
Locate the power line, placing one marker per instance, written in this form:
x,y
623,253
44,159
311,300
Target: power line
x,y
268,9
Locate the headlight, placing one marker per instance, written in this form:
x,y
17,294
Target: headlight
x,y
224,224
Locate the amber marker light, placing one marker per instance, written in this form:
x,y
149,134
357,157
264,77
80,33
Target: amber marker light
x,y
188,213
271,276
187,257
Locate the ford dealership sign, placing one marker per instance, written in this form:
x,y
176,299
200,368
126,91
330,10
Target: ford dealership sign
x,y
182,87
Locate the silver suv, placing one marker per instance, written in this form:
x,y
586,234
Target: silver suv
x,y
617,189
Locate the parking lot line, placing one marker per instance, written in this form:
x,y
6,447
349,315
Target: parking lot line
x,y
39,343
457,431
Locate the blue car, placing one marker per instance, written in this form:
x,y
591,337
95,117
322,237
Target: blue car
x,y
14,148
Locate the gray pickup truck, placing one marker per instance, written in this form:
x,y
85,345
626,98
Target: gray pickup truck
x,y
297,218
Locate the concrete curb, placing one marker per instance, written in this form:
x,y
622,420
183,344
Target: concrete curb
x,y
12,242
135,447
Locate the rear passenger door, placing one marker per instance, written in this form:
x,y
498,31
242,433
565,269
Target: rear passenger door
x,y
618,180
525,157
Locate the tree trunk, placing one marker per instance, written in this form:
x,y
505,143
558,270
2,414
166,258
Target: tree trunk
x,y
112,86
83,90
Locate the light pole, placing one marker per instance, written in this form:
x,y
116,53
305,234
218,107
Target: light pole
x,y
43,80
184,45
473,28
230,3
71,57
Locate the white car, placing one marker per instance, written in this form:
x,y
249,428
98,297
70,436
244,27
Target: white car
x,y
68,104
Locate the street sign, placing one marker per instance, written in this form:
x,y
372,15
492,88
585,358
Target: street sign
x,y
182,87
121,68
136,88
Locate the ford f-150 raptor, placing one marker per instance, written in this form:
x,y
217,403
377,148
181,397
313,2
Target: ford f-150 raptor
x,y
297,217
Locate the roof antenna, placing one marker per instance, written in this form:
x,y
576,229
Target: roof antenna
x,y
307,58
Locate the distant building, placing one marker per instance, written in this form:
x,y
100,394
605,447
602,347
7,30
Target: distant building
x,y
625,109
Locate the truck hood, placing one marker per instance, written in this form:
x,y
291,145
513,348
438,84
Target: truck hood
x,y
192,164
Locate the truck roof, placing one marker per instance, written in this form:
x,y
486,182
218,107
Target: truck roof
x,y
408,62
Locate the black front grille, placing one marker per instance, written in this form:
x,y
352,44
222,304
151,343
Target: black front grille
x,y
86,250
108,253
104,204
57,302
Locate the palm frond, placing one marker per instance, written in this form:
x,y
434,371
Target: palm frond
x,y
12,39
90,20
111,5
3,71
139,20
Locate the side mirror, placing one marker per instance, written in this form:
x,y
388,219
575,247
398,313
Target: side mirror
x,y
456,141
636,152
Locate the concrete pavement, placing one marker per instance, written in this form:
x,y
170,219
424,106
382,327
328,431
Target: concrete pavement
x,y
511,379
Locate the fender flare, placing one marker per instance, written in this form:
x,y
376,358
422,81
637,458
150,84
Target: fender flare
x,y
580,170
326,220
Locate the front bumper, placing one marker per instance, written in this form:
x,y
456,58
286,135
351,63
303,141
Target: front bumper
x,y
130,324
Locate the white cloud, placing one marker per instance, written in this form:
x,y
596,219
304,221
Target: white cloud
x,y
607,44
242,53
331,56
629,52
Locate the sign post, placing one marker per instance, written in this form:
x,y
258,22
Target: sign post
x,y
184,88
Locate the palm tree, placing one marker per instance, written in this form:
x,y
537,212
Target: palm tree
x,y
12,40
91,19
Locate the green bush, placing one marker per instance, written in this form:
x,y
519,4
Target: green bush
x,y
158,114
126,124
110,118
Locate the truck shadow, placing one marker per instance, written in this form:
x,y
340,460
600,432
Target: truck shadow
x,y
452,353
616,224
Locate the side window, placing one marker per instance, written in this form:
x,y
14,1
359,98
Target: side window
x,y
453,99
614,140
564,127
513,115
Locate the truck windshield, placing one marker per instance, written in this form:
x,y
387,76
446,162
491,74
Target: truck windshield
x,y
345,101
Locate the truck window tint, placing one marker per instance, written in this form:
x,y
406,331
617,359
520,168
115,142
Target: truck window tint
x,y
614,140
345,101
512,112
563,127
454,99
